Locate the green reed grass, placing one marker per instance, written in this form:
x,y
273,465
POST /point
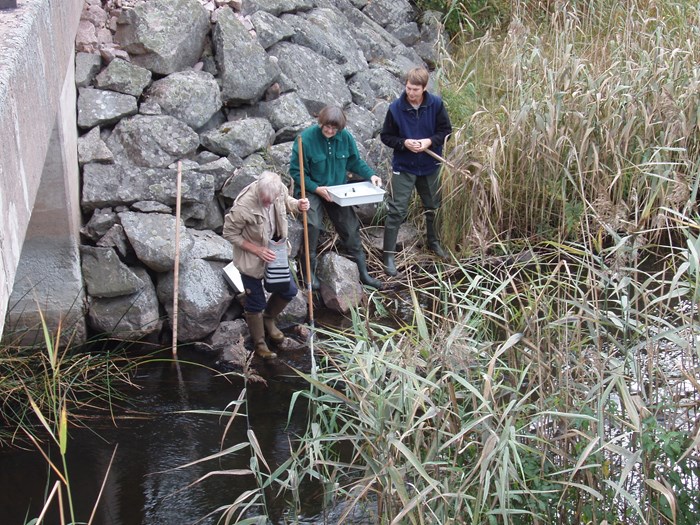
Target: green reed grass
x,y
535,392
45,388
586,116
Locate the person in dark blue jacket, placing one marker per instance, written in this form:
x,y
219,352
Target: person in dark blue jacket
x,y
417,121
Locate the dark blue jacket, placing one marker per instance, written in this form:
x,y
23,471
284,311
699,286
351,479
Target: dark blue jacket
x,y
403,122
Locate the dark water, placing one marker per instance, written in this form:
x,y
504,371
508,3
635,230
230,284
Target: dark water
x,y
153,437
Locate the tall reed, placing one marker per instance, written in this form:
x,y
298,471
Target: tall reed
x,y
520,393
586,119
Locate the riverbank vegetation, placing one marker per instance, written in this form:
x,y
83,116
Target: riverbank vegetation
x,y
47,388
549,373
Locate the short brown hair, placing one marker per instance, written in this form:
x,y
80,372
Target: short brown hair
x,y
418,76
332,116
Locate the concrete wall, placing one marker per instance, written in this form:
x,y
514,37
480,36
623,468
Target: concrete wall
x,y
38,164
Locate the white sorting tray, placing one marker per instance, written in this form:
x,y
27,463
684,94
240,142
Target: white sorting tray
x,y
356,193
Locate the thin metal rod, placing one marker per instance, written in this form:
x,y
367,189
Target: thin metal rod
x,y
176,269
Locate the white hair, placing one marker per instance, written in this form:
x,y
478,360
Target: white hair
x,y
270,185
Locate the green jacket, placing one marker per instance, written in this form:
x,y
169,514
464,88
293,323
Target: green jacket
x,y
326,161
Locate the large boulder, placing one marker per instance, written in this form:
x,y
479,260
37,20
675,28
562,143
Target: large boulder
x,y
373,86
131,317
275,7
203,297
152,141
270,29
124,77
105,275
327,32
318,81
239,137
164,36
340,282
245,69
111,185
190,96
97,107
152,236
288,116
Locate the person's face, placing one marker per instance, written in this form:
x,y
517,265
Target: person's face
x,y
414,93
328,130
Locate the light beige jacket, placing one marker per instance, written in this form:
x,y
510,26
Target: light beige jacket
x,y
246,221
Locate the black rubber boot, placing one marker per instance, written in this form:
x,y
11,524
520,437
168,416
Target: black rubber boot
x,y
432,238
275,305
390,235
365,277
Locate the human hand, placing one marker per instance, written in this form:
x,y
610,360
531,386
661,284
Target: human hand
x,y
376,181
303,204
265,254
417,146
322,191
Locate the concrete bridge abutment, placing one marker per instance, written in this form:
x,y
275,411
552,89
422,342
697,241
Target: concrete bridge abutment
x,y
39,174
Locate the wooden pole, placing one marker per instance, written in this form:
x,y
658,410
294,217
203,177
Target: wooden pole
x,y
307,257
176,269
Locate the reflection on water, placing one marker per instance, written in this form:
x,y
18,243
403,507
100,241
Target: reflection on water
x,y
153,437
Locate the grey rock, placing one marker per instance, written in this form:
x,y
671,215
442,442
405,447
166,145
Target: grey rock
x,y
105,275
374,85
245,69
100,222
376,43
427,51
221,169
134,316
279,155
91,148
124,77
149,107
243,176
87,66
213,218
215,121
362,123
190,96
152,141
205,157
288,116
97,107
210,246
116,238
319,81
164,36
241,137
275,7
152,236
230,334
378,156
114,185
193,210
270,29
184,165
326,32
340,282
151,207
389,12
203,297
407,33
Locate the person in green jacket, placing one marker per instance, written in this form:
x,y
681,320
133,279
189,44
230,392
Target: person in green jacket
x,y
330,152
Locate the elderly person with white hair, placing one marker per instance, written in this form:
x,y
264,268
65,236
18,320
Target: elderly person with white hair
x,y
257,217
